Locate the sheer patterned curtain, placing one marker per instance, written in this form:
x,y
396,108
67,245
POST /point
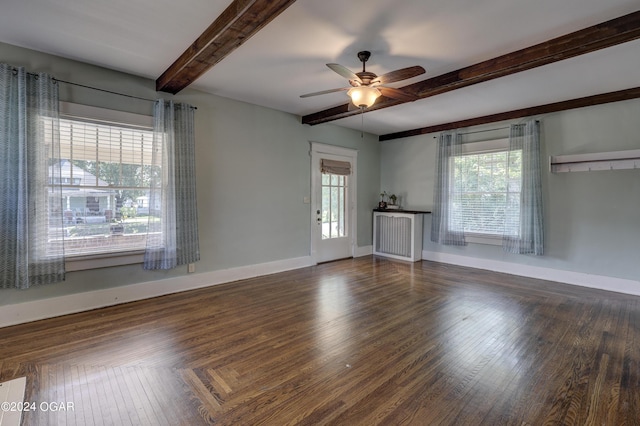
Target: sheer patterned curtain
x,y
173,219
31,228
523,232
446,222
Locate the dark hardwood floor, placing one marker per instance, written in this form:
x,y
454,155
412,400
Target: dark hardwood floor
x,y
362,341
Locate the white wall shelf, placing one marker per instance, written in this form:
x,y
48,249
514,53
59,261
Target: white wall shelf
x,y
615,160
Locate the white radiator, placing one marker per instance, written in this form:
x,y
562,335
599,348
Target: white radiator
x,y
397,235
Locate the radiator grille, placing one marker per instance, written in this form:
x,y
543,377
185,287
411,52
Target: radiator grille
x,y
393,235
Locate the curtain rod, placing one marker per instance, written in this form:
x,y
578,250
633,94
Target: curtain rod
x,y
96,88
486,130
108,91
102,90
480,131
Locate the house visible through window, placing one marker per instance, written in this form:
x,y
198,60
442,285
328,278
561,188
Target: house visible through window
x,y
105,170
482,188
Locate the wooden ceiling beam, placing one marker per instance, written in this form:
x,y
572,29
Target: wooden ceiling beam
x,y
604,98
606,34
239,21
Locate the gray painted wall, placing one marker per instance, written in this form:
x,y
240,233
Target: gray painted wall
x,y
253,172
592,219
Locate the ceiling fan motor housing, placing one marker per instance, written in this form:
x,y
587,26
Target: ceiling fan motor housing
x,y
366,77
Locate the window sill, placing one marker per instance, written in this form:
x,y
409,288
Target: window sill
x,y
493,240
106,260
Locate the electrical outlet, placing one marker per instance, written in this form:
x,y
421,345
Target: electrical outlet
x,y
192,268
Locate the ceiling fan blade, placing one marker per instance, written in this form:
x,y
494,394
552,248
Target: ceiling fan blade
x,y
324,92
401,74
344,71
398,94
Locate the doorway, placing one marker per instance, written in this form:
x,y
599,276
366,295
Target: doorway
x,y
333,202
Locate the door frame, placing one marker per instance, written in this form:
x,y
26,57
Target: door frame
x,y
317,151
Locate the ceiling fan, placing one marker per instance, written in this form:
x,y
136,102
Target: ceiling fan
x,y
366,86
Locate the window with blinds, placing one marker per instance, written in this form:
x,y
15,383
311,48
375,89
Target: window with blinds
x,y
483,190
334,205
105,169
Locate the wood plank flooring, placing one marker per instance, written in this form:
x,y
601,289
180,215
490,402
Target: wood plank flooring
x,y
364,341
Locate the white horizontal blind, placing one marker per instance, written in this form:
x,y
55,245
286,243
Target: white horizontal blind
x,y
105,143
105,171
481,180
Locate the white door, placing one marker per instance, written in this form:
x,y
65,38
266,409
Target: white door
x,y
332,207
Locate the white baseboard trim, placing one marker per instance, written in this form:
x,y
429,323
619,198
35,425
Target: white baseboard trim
x,y
601,282
363,251
48,308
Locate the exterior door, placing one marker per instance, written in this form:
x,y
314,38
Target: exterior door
x,y
333,207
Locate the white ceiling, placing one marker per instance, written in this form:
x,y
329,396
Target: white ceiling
x,y
286,58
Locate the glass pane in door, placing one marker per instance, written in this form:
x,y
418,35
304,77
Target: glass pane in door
x,y
334,209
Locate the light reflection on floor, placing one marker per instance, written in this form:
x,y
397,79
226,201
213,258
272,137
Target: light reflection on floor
x,y
483,328
333,316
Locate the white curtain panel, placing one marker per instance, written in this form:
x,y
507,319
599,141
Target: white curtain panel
x,y
31,227
173,219
523,232
446,221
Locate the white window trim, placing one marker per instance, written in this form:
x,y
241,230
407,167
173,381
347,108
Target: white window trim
x,y
483,147
477,238
86,112
103,260
493,145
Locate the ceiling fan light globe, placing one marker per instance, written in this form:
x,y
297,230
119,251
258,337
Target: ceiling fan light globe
x,y
363,96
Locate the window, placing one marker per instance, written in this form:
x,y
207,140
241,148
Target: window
x,y
105,170
482,188
334,194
